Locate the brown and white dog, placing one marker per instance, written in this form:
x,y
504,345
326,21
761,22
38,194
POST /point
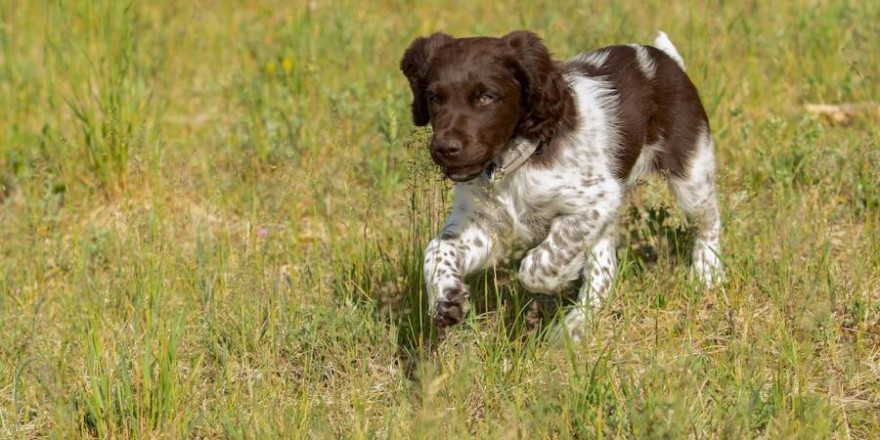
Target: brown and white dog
x,y
542,154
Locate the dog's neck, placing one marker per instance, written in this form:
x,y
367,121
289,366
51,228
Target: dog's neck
x,y
519,152
521,149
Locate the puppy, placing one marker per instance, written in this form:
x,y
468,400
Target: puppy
x,y
542,154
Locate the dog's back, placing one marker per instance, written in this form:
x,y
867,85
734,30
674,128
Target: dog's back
x,y
659,116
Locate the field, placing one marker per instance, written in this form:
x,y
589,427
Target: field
x,y
212,215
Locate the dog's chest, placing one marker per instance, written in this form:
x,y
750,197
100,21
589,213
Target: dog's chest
x,y
523,208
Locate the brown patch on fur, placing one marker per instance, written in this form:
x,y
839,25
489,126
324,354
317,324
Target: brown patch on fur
x,y
666,106
449,233
547,98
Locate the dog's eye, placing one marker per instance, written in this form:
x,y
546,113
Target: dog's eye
x,y
434,99
485,99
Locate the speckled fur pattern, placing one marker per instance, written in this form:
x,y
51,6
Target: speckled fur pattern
x,y
566,212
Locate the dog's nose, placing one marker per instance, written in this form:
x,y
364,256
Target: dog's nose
x,y
448,147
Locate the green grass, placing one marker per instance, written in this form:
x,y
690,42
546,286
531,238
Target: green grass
x,y
212,216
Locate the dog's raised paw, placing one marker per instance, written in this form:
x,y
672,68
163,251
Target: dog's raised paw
x,y
448,314
451,307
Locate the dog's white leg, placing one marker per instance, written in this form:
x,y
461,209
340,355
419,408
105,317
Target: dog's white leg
x,y
697,197
598,275
464,247
578,245
449,258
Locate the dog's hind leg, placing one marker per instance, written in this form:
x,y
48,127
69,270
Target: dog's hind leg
x,y
697,196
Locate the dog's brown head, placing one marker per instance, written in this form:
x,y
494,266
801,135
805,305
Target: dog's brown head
x,y
479,93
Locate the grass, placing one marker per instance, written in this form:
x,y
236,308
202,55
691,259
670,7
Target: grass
x,y
212,217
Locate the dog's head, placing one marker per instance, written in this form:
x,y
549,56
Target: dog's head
x,y
479,93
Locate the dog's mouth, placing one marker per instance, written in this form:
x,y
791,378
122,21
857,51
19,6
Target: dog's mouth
x,y
464,174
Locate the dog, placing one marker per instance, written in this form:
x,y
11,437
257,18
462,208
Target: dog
x,y
542,154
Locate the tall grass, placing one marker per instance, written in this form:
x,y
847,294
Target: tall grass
x,y
104,77
212,218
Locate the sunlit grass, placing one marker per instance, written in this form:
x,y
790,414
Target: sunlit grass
x,y
212,216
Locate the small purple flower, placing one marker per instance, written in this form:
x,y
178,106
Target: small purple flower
x,y
262,232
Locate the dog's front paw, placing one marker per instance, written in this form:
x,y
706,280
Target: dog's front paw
x,y
450,306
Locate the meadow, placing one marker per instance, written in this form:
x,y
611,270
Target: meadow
x,y
212,215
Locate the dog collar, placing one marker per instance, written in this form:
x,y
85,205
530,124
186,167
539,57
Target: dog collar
x,y
511,159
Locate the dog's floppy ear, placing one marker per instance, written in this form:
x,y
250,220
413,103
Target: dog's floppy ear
x,y
415,66
543,88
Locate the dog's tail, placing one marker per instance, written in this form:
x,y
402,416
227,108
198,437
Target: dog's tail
x,y
662,42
